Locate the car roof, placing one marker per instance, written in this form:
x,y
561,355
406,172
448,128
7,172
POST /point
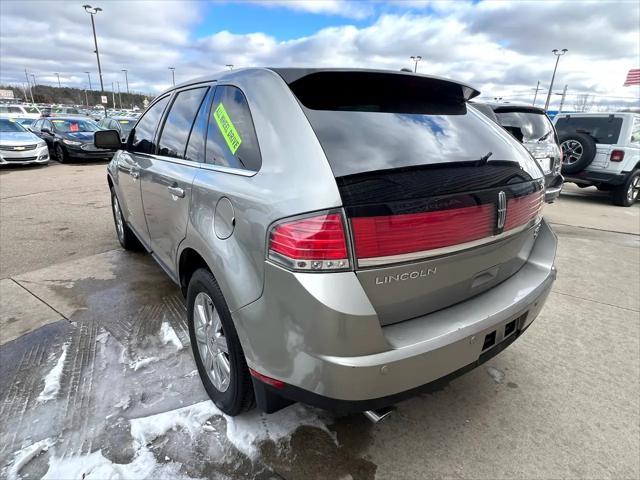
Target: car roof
x,y
598,114
68,117
290,75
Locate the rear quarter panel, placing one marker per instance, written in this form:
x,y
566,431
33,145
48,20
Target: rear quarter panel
x,y
294,178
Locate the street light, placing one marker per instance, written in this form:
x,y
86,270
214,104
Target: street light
x,y
93,11
173,75
229,66
56,73
558,54
89,76
416,59
126,79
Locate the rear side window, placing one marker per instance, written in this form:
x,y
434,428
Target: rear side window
x,y
197,139
635,131
145,130
177,127
527,126
604,130
231,137
369,122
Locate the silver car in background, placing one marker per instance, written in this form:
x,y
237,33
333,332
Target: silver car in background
x,y
343,238
18,146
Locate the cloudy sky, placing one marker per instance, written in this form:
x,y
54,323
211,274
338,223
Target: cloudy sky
x,y
501,48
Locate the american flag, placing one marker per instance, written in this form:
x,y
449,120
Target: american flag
x,y
633,77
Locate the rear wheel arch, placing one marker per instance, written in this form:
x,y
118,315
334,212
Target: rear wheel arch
x,y
190,261
110,182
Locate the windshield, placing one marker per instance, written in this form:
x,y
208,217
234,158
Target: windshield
x,y
604,130
7,125
527,126
74,126
125,125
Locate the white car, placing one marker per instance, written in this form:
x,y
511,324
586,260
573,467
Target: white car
x,y
18,146
20,111
602,150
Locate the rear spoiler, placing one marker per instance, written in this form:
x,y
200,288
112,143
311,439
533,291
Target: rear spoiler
x,y
291,76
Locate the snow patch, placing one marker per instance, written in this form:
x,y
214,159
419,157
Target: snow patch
x,y
245,432
95,466
25,455
142,362
168,335
497,375
52,380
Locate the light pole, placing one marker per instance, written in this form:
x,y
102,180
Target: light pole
x,y
93,11
56,73
416,59
89,77
229,66
29,83
535,95
558,54
126,79
119,95
34,79
173,75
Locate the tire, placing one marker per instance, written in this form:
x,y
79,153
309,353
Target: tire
x,y
61,154
626,194
578,151
209,316
126,237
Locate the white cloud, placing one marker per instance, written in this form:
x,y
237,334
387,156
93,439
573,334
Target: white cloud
x,y
501,48
343,8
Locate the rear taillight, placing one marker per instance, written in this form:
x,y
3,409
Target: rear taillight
x,y
617,155
387,236
522,210
316,243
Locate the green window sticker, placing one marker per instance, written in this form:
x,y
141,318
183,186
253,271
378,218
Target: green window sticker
x,y
229,132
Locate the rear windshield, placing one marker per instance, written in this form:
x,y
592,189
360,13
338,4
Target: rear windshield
x,y
378,124
605,130
527,126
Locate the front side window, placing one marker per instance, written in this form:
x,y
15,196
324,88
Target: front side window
x,y
604,130
231,137
145,130
177,127
15,110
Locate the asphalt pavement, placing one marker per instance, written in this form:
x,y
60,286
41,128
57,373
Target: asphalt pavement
x,y
97,379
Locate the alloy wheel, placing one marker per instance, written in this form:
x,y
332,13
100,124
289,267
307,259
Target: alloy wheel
x,y
634,189
571,151
212,343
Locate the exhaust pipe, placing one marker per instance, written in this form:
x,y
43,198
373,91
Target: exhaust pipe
x,y
378,415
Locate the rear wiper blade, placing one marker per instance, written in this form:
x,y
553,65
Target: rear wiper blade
x,y
545,136
485,158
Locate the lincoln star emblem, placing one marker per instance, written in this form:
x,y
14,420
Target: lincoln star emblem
x,y
502,209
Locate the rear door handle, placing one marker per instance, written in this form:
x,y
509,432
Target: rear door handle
x,y
134,173
177,191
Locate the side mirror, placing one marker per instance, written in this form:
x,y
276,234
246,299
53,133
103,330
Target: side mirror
x,y
107,139
45,130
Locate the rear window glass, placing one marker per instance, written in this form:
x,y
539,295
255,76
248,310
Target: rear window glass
x,y
605,130
527,126
368,124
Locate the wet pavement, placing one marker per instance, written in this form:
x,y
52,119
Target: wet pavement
x,y
97,381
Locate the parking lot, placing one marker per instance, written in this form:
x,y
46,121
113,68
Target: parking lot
x,y
97,378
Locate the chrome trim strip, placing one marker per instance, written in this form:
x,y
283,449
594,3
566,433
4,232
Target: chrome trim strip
x,y
232,171
179,161
408,257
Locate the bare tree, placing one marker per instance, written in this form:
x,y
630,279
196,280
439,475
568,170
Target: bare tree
x,y
583,103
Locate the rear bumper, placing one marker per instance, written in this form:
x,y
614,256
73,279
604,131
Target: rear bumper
x,y
366,366
587,177
552,188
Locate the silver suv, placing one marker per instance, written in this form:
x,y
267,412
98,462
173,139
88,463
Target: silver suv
x,y
343,238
